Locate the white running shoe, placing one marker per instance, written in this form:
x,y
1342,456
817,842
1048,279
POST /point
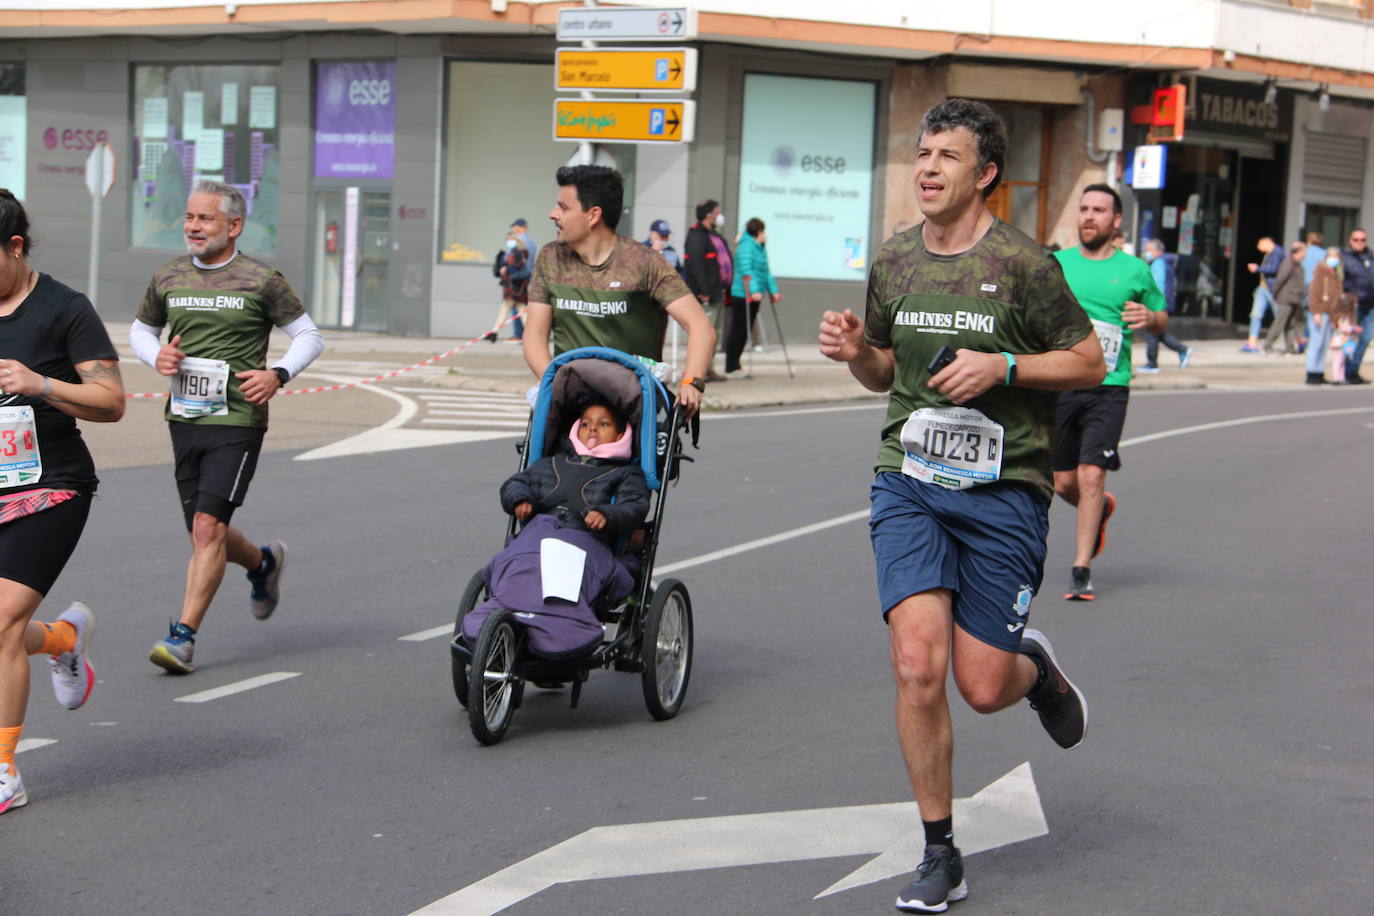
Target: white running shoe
x,y
12,794
72,675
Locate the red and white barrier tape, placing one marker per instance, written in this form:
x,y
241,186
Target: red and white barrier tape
x,y
366,381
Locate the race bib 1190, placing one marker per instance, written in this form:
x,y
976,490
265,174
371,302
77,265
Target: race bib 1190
x,y
201,388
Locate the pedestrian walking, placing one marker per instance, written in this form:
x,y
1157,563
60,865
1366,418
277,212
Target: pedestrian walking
x,y
1119,295
1358,278
594,288
1164,271
659,232
1326,301
58,367
1288,301
752,282
219,306
971,328
1265,270
710,269
513,270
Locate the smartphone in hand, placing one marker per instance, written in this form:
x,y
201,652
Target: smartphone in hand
x,y
941,360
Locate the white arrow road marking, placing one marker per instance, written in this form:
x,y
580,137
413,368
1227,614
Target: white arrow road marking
x,y
252,683
1008,811
33,744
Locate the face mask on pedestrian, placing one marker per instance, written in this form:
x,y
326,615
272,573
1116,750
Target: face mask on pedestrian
x,y
1149,256
720,220
510,244
1333,262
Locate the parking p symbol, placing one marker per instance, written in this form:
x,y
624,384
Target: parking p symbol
x,y
656,119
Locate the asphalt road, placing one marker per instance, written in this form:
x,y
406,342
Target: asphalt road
x,y
1226,663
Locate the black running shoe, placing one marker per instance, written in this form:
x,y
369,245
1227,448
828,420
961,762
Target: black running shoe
x,y
939,882
1080,585
1061,706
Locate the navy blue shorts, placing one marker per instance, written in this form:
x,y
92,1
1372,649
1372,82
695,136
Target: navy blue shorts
x,y
985,544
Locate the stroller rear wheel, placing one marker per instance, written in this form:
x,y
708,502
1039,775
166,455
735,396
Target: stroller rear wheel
x,y
494,691
667,649
472,596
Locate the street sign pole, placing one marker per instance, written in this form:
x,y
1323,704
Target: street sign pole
x,y
100,172
584,149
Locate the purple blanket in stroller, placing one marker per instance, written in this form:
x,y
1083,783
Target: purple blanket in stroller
x,y
555,628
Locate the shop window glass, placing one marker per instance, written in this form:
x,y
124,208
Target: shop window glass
x,y
806,170
218,122
13,129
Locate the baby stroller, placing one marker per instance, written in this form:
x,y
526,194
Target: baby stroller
x,y
650,631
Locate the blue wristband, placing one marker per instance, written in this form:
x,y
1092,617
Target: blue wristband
x,y
1011,368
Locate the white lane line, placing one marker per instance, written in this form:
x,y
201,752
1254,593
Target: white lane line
x,y
431,633
33,744
1243,421
712,415
760,542
252,683
864,513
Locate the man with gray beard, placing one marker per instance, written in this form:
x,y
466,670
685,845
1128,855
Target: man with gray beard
x,y
219,306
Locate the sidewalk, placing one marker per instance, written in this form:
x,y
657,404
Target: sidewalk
x,y
1217,364
481,366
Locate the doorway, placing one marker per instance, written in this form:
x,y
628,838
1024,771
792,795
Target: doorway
x,y
352,259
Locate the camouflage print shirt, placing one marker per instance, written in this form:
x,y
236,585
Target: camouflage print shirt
x,y
224,313
620,303
1003,294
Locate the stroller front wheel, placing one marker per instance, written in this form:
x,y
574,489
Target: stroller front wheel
x,y
667,649
472,596
494,690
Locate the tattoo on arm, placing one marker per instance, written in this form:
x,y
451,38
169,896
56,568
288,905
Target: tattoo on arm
x,y
94,372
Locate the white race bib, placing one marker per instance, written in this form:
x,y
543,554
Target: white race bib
x,y
1109,335
19,459
952,447
201,388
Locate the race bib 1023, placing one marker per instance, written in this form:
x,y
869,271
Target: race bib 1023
x,y
952,447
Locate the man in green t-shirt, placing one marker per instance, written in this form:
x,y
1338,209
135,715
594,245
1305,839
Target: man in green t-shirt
x,y
970,326
594,288
1120,296
219,307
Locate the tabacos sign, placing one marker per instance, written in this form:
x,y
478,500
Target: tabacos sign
x,y
1239,110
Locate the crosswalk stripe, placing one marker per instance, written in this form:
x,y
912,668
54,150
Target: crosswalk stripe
x,y
431,633
461,411
460,421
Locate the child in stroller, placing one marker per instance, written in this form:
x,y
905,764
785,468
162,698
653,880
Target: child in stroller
x,y
591,495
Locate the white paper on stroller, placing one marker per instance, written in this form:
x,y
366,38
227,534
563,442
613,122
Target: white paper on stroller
x,y
560,567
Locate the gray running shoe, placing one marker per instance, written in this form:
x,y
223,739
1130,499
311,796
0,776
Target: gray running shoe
x,y
175,652
1080,585
1061,706
939,882
267,587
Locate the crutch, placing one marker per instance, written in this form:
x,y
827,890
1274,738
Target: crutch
x,y
781,340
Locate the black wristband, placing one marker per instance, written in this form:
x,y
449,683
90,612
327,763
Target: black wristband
x,y
282,375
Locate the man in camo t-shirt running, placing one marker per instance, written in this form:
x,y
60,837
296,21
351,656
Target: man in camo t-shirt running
x,y
971,327
595,288
219,306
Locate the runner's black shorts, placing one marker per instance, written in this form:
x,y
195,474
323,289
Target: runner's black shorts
x,y
35,548
214,465
1088,427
